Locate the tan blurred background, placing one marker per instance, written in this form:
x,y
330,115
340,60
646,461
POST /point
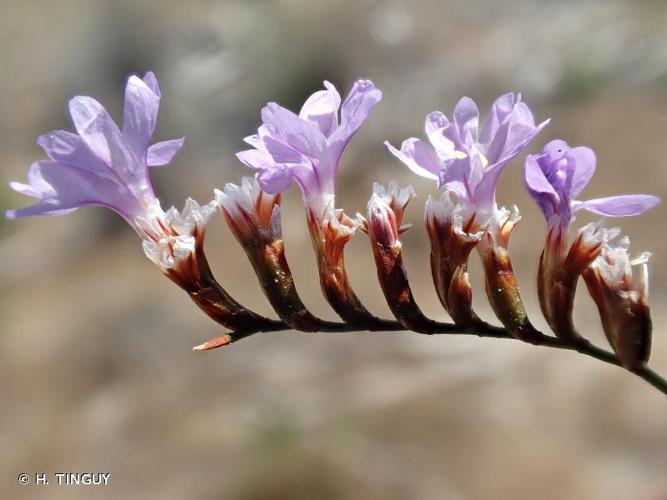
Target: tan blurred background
x,y
95,362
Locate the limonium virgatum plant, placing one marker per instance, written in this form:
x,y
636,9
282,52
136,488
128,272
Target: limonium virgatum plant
x,y
102,164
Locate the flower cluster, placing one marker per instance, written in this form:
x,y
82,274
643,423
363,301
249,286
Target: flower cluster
x,y
108,166
554,178
102,164
307,147
466,161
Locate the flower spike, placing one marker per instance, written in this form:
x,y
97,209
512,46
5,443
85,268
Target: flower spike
x,y
107,165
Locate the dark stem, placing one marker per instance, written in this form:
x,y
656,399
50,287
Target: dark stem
x,y
490,331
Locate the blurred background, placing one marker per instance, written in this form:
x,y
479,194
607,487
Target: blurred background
x,y
95,362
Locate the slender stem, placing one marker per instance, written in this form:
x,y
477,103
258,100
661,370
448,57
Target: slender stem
x,y
644,372
482,330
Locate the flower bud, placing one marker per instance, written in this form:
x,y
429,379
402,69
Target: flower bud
x,y
252,215
622,300
453,232
502,288
385,212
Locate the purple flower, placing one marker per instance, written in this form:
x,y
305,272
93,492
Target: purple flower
x,y
555,177
101,164
467,161
307,147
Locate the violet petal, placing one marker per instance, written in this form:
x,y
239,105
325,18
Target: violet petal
x,y
161,153
619,206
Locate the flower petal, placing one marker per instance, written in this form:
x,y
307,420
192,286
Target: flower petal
x,y
555,150
256,159
25,189
161,153
466,120
436,120
140,114
436,124
536,182
61,187
321,109
584,167
151,80
619,206
282,152
455,177
500,109
418,156
297,133
102,136
513,135
540,188
355,109
275,179
66,147
254,140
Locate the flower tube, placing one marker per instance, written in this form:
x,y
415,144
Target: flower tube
x,y
466,162
307,148
102,164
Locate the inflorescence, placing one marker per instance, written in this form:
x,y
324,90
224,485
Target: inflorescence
x,y
102,164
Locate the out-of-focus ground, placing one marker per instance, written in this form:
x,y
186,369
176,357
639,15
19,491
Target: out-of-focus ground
x,y
95,363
